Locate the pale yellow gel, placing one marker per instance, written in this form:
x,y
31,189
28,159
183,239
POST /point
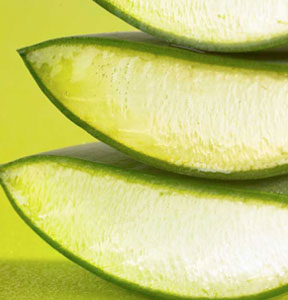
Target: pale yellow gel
x,y
188,242
190,114
211,21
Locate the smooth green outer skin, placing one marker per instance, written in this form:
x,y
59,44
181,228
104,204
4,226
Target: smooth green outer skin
x,y
183,41
87,155
143,43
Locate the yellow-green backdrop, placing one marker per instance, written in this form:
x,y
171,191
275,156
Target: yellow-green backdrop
x,y
29,123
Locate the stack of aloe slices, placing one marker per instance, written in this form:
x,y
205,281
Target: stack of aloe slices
x,y
150,227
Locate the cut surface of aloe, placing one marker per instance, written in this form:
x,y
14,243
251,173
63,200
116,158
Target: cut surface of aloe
x,y
191,113
160,233
218,25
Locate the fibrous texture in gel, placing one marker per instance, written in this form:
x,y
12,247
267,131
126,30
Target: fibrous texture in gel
x,y
221,25
192,113
164,236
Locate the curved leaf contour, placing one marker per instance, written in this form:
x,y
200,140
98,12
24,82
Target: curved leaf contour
x,y
160,233
196,114
219,25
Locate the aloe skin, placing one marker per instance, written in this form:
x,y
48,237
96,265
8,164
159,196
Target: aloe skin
x,y
196,114
217,25
160,233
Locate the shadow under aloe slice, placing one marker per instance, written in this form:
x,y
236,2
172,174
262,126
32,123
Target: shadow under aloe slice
x,y
46,279
160,233
196,114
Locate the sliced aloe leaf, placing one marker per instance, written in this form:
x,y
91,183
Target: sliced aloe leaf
x,y
191,113
163,234
218,25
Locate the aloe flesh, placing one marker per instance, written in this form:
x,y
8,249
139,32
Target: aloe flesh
x,y
195,114
163,234
218,25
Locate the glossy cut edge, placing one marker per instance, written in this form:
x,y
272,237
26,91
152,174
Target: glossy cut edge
x,y
153,294
170,52
275,42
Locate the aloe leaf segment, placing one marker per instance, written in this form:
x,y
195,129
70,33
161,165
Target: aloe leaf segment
x,y
165,235
196,114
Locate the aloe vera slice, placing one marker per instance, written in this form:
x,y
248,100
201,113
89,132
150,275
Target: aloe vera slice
x,y
190,113
218,25
163,234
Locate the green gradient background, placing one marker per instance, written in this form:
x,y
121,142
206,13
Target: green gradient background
x,y
29,123
29,268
